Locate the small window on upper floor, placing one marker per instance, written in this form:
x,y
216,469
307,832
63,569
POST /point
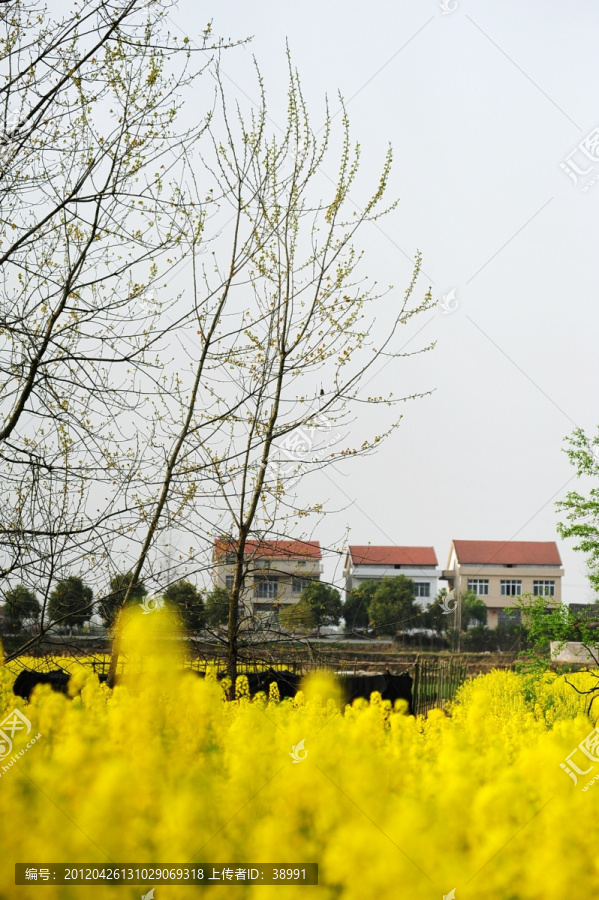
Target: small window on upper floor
x,y
510,587
480,586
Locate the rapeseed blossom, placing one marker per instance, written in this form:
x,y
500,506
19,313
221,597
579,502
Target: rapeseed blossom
x,y
164,770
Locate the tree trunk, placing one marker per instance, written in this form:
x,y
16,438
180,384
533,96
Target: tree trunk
x,y
232,642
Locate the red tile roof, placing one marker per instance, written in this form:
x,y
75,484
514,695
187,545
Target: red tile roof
x,y
501,553
272,549
370,555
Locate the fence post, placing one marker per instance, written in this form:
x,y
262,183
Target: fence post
x,y
415,687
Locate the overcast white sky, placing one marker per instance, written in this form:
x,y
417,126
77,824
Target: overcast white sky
x,y
481,104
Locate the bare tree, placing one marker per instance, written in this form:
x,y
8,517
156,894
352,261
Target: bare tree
x,y
300,313
99,206
128,408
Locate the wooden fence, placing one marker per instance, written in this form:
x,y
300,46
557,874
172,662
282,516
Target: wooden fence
x,y
435,682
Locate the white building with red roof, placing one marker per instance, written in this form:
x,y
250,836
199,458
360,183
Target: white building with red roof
x,y
499,572
275,572
368,562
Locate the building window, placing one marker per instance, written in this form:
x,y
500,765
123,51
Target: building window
x,y
228,582
266,587
422,589
298,585
543,588
510,587
480,586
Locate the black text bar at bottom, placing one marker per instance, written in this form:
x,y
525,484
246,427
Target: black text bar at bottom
x,y
144,874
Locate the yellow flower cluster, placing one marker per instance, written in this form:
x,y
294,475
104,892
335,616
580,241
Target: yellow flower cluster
x,y
165,771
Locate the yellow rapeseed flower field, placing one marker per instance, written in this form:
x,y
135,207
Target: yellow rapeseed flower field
x,y
389,806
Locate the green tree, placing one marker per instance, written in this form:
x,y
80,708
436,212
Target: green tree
x,y
582,512
324,603
473,611
217,607
545,624
298,617
355,608
556,623
21,604
71,601
393,608
113,602
188,600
